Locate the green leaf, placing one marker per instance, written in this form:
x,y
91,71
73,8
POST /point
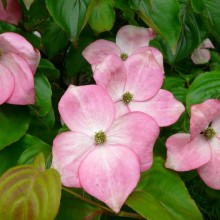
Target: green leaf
x,y
49,69
39,162
54,39
205,86
74,61
43,94
6,158
74,208
171,82
127,13
192,34
102,17
4,27
162,16
70,15
14,123
210,12
32,146
43,127
161,194
215,61
28,3
28,193
197,6
147,206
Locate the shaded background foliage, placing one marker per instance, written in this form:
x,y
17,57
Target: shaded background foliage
x,y
66,28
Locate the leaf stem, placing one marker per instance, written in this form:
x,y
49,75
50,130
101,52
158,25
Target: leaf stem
x,y
110,212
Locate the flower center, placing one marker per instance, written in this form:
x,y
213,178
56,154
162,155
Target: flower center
x,y
127,97
124,56
100,137
1,53
209,133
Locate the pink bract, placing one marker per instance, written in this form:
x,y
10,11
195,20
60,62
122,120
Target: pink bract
x,y
100,153
129,40
201,55
201,148
134,85
12,14
18,62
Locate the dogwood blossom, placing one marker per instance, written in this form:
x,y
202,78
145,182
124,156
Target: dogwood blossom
x,y
100,153
18,63
201,148
134,85
12,13
129,40
202,55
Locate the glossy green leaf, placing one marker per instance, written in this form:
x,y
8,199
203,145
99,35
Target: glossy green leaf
x,y
48,69
28,192
161,194
6,158
215,61
14,123
205,86
180,94
162,16
54,39
102,17
71,15
43,127
192,34
4,27
33,146
43,94
197,5
74,208
210,12
127,13
28,3
74,61
171,82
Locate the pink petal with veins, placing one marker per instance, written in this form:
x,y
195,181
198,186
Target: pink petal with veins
x,y
185,155
23,93
163,107
210,172
15,43
87,109
6,83
144,76
69,150
107,176
97,51
111,74
137,131
202,114
129,38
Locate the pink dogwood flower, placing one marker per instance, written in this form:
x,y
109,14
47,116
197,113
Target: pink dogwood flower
x,y
134,85
129,40
202,55
100,153
201,148
12,13
18,63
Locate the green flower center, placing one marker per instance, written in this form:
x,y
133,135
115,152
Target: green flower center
x,y
209,133
124,56
127,97
100,137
